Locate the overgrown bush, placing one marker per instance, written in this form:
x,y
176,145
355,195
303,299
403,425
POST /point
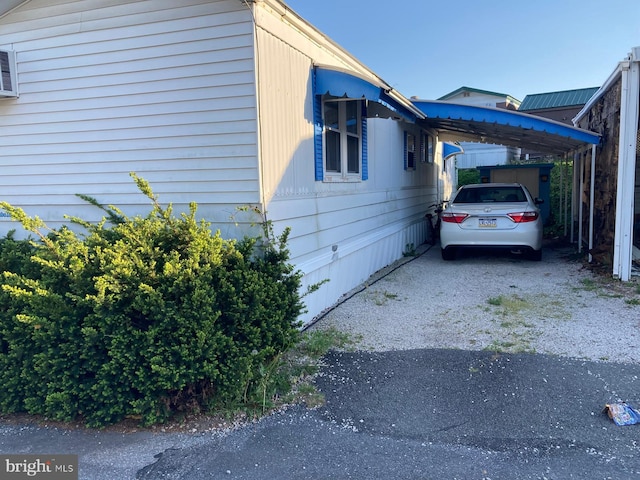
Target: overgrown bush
x,y
142,316
468,176
561,185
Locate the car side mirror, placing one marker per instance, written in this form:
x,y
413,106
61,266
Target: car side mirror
x,y
538,201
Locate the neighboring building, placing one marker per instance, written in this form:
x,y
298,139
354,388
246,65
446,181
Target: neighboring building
x,y
606,185
560,106
481,154
227,103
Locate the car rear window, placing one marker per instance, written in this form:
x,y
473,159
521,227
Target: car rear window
x,y
490,194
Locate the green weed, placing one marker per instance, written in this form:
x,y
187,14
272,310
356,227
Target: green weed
x,y
381,298
496,301
288,379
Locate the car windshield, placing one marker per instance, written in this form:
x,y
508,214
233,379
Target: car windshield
x,y
490,194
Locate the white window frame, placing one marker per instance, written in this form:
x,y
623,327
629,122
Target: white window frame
x,y
343,175
429,142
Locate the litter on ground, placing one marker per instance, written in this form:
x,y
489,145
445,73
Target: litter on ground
x,y
622,413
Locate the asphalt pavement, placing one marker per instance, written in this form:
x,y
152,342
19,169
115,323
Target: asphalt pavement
x,y
435,414
416,414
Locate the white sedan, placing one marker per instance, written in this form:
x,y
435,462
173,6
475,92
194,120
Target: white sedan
x,y
501,215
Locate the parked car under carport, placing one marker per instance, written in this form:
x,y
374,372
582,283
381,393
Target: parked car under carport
x,y
492,215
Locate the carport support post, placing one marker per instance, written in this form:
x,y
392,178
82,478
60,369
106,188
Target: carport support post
x,y
623,241
575,193
592,190
580,207
565,192
560,190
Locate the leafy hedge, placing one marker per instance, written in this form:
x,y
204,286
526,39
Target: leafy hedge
x,y
142,316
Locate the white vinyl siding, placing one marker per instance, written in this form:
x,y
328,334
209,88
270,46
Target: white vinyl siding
x,y
110,87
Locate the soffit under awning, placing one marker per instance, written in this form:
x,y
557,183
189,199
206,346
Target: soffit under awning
x,y
7,5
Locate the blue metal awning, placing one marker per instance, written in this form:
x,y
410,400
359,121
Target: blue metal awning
x,y
342,84
504,127
455,122
450,150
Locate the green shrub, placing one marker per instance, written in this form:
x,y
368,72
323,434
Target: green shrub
x,y
143,316
560,186
468,176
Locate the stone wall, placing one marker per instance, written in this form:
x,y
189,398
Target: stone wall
x,y
603,118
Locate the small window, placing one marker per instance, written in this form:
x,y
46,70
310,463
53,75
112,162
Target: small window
x,y
410,151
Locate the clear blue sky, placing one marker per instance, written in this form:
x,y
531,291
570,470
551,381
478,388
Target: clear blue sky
x,y
429,48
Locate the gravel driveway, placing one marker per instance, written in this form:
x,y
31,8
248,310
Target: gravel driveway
x,y
490,301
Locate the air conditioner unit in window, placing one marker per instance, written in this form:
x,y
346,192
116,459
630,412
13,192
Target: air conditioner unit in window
x,y
8,81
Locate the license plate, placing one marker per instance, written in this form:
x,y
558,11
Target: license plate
x,y
487,223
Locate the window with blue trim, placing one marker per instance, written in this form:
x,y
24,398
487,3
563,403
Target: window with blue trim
x,y
341,153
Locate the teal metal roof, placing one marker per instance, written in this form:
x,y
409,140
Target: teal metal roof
x,y
566,98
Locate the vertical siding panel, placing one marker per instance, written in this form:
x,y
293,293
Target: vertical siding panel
x,y
286,129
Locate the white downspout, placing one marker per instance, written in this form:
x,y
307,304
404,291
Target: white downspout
x,y
592,190
574,194
560,194
565,168
259,144
623,240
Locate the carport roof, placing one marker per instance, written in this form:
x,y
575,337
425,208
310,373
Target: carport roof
x,y
503,127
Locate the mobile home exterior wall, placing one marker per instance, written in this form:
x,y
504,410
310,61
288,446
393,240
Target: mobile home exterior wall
x,y
210,101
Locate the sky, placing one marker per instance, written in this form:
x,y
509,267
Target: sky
x,y
428,48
